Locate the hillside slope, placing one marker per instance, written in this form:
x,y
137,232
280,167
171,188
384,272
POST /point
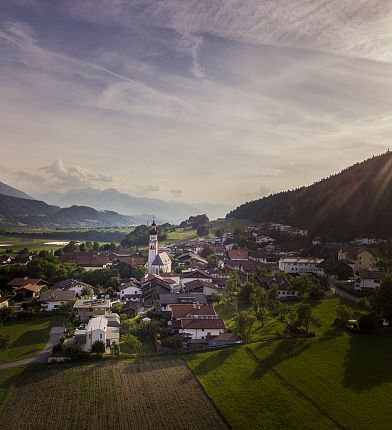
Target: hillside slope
x,y
35,213
354,202
7,190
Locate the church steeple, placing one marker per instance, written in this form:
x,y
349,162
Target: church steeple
x,y
152,246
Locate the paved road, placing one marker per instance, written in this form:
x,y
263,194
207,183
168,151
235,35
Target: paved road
x,y
42,356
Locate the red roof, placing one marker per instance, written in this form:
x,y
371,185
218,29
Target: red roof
x,y
238,254
20,282
185,310
197,283
196,323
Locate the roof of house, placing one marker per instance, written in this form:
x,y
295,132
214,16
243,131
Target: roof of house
x,y
70,283
20,282
161,259
192,256
372,274
197,283
196,323
173,298
196,273
238,254
56,295
185,310
91,303
97,323
281,282
30,287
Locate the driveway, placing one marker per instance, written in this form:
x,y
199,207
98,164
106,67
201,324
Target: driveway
x,y
42,356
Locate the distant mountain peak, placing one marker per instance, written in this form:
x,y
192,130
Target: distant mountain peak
x,y
7,190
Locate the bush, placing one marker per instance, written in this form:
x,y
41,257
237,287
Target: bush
x,y
74,351
369,322
316,293
175,341
98,347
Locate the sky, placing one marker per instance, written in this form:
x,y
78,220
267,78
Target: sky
x,y
218,101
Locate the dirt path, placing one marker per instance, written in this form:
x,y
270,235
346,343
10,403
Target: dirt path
x,y
42,356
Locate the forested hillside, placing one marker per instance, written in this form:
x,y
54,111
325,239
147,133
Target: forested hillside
x,y
354,202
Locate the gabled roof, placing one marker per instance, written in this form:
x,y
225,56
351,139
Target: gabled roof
x,y
196,273
70,283
173,298
20,282
372,274
161,259
196,323
237,254
56,295
186,310
197,283
30,287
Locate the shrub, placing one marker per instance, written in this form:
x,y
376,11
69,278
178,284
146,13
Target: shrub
x,y
74,351
98,347
368,322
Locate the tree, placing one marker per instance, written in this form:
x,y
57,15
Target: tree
x,y
98,347
246,291
117,307
257,298
343,314
202,230
272,296
220,232
213,261
305,318
207,251
86,291
138,272
368,322
232,288
383,299
4,341
6,314
244,324
132,342
115,349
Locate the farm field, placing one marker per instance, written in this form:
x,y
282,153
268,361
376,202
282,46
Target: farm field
x,y
148,395
27,337
32,244
334,380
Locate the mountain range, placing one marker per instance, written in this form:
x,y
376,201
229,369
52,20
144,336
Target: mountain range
x,y
356,202
111,199
7,190
34,213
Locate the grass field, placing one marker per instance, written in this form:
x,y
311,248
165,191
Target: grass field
x,y
334,380
149,395
27,337
18,243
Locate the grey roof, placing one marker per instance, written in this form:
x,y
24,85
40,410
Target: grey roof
x,y
172,299
161,259
69,283
56,295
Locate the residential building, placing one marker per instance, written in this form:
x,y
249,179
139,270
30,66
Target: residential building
x,y
370,279
367,259
86,308
301,266
51,300
167,300
73,285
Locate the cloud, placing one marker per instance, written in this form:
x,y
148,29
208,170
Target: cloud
x,y
176,193
192,44
61,176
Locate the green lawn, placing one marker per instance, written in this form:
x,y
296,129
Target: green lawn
x,y
181,234
27,337
334,380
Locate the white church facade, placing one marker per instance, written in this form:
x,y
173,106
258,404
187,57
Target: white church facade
x,y
158,262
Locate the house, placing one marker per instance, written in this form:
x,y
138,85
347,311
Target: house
x,y
301,266
370,279
192,257
130,290
51,300
86,308
200,286
28,291
237,254
130,308
152,289
338,269
73,285
98,329
199,329
367,259
87,260
191,275
286,291
223,339
21,282
167,300
185,311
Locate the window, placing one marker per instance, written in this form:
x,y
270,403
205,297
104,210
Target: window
x,y
202,329
100,336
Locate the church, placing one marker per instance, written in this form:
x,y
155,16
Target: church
x,y
158,262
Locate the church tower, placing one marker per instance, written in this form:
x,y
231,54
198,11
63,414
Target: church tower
x,y
152,246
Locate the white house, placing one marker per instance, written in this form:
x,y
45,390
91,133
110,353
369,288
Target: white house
x,y
98,329
73,285
370,279
51,300
301,266
157,261
130,290
198,329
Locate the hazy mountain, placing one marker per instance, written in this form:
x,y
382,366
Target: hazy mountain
x,y
111,199
354,202
7,190
36,213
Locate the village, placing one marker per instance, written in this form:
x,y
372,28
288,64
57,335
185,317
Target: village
x,y
178,292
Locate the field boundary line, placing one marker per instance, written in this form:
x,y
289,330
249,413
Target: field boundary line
x,y
292,387
207,395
